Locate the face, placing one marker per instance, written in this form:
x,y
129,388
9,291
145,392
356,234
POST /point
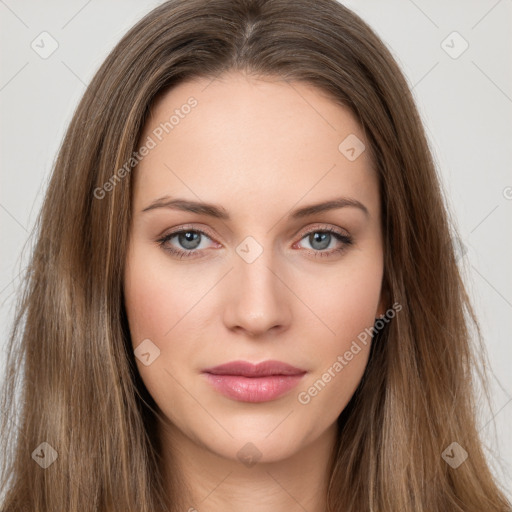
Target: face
x,y
252,273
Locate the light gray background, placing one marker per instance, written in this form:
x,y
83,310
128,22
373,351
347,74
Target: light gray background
x,y
465,102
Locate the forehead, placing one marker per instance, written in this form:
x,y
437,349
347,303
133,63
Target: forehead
x,y
256,139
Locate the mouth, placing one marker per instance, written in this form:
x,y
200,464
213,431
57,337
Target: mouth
x,y
247,382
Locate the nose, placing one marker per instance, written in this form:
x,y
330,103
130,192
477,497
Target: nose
x,y
258,299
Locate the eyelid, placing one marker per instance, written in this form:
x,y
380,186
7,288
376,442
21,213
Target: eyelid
x,y
322,227
188,227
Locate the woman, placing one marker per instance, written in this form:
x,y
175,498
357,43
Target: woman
x,y
244,292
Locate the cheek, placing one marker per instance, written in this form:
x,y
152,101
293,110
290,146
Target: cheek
x,y
162,305
154,302
347,301
155,307
346,304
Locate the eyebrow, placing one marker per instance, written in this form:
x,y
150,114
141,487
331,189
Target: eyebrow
x,y
220,212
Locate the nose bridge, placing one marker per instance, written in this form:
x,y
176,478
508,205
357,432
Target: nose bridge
x,y
254,271
257,299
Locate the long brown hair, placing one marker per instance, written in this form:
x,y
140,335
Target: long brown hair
x,y
71,381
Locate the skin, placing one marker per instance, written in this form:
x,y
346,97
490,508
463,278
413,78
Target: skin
x,y
260,148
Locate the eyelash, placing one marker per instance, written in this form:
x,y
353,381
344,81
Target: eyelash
x,y
344,239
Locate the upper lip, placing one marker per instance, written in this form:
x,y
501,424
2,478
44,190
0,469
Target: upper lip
x,y
247,369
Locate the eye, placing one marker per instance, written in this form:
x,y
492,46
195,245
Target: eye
x,y
325,238
187,240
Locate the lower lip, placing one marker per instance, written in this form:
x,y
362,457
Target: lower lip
x,y
253,389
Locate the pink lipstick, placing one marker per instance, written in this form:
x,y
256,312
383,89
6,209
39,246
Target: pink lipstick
x,y
247,382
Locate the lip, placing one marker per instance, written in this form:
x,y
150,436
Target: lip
x,y
247,382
